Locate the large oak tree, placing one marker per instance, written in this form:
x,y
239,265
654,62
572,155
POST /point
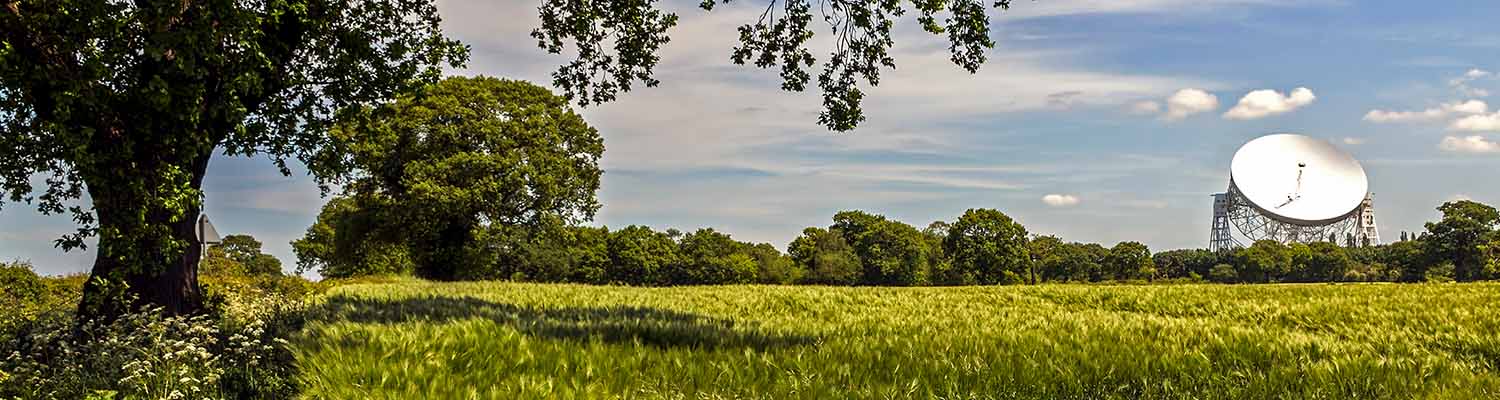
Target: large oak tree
x,y
111,110
465,154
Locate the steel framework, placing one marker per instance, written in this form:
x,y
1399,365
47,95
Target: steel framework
x,y
1231,208
1219,237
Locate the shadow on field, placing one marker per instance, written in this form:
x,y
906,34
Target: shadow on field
x,y
619,324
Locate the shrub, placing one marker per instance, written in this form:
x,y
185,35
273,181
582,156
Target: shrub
x,y
1223,273
145,355
19,283
1441,273
234,351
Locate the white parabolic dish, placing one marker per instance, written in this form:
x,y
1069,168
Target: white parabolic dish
x,y
1298,179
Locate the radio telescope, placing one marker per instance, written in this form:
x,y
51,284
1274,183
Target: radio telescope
x,y
1293,188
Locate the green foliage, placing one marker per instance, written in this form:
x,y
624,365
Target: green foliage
x,y
1040,249
1223,273
989,246
1440,273
713,258
1264,261
1074,262
1129,261
246,251
779,38
238,350
524,341
129,101
1181,263
349,239
1490,253
772,267
1458,236
891,252
1323,262
826,257
19,284
641,256
463,154
548,253
861,248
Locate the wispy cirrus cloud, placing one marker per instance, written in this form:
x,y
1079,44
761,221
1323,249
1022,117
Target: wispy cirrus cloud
x,y
1440,112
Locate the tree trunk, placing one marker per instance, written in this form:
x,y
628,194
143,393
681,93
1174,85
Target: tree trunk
x,y
171,283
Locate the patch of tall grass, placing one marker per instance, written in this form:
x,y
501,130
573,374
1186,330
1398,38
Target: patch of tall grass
x,y
417,339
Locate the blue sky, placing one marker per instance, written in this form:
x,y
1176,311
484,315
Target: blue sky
x,y
1091,121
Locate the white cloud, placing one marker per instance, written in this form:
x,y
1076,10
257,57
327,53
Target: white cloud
x,y
1477,123
1188,102
1145,107
1354,141
1266,102
1443,111
1461,83
1060,200
1468,107
1469,144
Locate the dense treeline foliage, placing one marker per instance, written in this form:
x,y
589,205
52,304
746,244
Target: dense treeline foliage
x,y
981,247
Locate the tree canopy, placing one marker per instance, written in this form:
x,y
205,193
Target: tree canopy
x,y
127,102
1458,237
463,153
987,245
617,43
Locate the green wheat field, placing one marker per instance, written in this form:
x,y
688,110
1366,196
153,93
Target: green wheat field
x,y
415,339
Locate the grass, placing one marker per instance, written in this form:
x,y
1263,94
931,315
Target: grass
x,y
416,339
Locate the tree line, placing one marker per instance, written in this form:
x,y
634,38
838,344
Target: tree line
x,y
980,247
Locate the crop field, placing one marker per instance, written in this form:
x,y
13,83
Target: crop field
x,y
415,339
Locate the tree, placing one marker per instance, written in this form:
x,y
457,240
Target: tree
x,y
1223,273
1297,269
641,256
246,251
779,38
1410,258
826,257
350,238
1458,236
713,258
548,252
126,101
1074,262
466,152
1130,260
772,267
1264,261
1185,263
1039,248
991,245
1326,262
940,269
1490,254
892,253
